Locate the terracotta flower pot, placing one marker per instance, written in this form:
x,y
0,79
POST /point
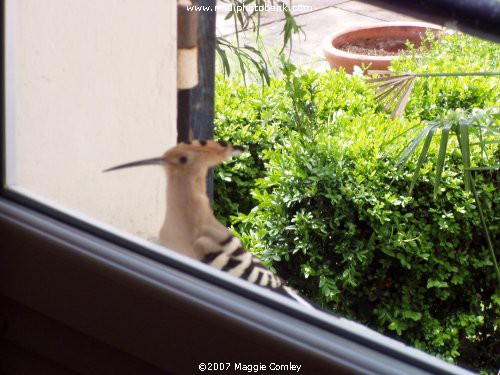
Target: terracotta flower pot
x,y
386,36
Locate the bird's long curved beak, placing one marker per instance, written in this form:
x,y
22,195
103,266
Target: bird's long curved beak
x,y
153,161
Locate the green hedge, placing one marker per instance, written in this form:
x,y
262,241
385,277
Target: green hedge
x,y
318,198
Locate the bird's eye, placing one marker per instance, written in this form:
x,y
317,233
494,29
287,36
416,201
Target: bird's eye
x,y
183,160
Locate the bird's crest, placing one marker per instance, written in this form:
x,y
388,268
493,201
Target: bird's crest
x,y
210,152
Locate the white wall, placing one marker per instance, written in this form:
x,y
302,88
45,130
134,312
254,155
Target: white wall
x,y
94,85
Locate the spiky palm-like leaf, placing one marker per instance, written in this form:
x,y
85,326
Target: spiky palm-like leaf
x,y
478,123
395,88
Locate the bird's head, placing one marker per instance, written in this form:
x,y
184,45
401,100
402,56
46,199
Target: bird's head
x,y
195,156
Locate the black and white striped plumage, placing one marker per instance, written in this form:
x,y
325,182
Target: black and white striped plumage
x,y
231,257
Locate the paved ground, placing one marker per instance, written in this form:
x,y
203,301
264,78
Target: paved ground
x,y
318,18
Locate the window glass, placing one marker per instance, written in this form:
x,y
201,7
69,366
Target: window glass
x,y
91,84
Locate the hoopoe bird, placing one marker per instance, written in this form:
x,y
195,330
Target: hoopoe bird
x,y
190,226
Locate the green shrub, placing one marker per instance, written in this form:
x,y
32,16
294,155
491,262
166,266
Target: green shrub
x,y
254,117
260,118
317,197
340,226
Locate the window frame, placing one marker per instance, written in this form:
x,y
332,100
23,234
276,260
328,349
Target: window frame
x,y
179,282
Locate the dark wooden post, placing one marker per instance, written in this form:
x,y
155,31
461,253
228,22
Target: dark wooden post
x,y
183,115
195,105
187,65
201,120
202,96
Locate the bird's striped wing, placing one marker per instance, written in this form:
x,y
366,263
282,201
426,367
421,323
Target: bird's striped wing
x,y
231,257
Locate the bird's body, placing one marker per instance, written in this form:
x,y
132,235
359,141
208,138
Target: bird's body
x,y
188,211
190,226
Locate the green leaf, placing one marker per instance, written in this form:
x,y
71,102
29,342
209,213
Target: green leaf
x,y
414,315
465,148
223,56
393,326
436,284
441,156
422,156
414,144
490,168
